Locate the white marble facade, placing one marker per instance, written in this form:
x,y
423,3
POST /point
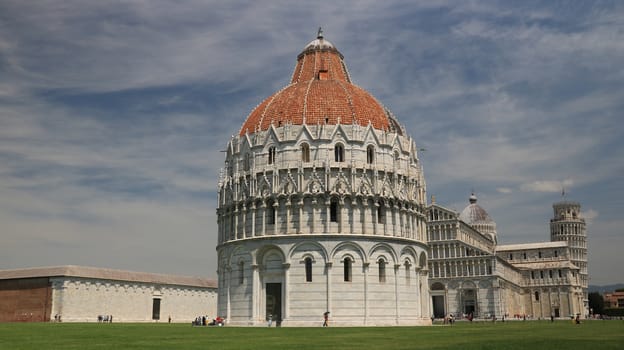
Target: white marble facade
x,y
339,229
81,294
79,299
321,207
471,274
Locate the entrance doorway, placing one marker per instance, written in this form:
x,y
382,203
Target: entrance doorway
x,y
469,297
274,302
557,312
438,306
156,309
469,308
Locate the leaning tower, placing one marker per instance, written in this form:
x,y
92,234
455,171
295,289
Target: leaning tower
x,y
568,225
321,207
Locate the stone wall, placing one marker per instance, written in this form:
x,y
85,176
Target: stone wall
x,y
83,299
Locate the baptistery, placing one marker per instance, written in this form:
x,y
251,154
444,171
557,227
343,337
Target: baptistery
x,y
321,207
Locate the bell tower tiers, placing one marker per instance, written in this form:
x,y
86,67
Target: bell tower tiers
x,y
568,225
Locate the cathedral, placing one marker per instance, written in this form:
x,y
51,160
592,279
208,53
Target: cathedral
x,y
471,275
322,208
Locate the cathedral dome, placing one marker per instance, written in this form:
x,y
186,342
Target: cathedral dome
x,y
475,216
473,213
320,92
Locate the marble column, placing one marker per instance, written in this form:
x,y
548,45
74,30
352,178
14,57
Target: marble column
x,y
286,298
253,219
328,267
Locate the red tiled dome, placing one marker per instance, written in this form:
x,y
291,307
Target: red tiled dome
x,y
320,92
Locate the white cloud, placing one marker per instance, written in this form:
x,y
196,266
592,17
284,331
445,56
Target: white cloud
x,y
546,186
590,215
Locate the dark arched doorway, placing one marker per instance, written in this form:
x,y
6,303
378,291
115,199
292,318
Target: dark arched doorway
x,y
438,300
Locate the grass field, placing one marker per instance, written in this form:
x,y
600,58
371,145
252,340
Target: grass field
x,y
461,336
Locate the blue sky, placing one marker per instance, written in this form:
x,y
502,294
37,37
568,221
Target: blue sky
x,y
113,115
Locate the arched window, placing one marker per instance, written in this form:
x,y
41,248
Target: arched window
x,y
270,214
396,158
382,270
381,213
232,226
308,269
271,155
556,253
536,296
422,261
339,152
305,152
347,269
408,276
370,154
333,211
247,162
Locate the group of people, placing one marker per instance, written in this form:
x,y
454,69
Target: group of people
x,y
205,321
450,319
103,318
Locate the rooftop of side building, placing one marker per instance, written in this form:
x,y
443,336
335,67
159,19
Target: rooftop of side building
x,y
544,265
531,246
106,274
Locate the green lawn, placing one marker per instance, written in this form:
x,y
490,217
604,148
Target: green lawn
x,y
461,336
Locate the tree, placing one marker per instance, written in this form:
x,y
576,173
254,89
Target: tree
x,y
596,302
